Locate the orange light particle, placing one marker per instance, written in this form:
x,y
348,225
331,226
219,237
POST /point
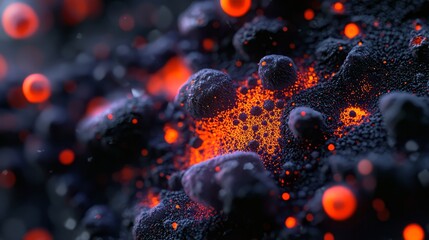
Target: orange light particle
x,y
208,44
235,8
36,88
339,203
174,225
3,67
66,157
170,135
351,30
37,234
134,121
338,7
365,167
331,147
285,196
308,14
20,20
413,231
418,27
290,222
328,236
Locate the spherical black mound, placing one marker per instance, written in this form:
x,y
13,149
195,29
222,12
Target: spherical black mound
x,y
406,118
331,54
306,124
260,37
277,72
206,93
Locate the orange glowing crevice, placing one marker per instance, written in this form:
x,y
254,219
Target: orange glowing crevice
x,y
169,79
151,200
351,116
235,129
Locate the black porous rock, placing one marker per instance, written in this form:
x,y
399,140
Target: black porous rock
x,y
306,124
406,117
100,221
206,93
277,72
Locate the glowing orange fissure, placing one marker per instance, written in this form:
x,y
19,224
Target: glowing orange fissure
x,y
351,116
234,129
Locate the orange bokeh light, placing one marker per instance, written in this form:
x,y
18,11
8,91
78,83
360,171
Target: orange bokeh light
x,y
37,234
36,88
171,135
76,11
169,79
3,67
235,8
20,20
290,222
339,203
66,157
338,7
351,30
413,231
309,14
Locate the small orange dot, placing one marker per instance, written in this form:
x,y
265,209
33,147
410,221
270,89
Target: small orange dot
x,y
309,14
290,222
338,7
66,157
339,202
418,27
20,20
351,30
235,8
328,236
134,121
208,44
285,196
36,88
174,225
331,147
413,231
110,116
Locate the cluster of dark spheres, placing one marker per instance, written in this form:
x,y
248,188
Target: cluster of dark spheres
x,y
127,180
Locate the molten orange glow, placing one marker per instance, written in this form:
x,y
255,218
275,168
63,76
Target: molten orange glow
x,y
76,11
290,222
169,79
3,67
413,231
309,14
338,7
339,203
20,20
36,88
352,116
331,147
174,225
351,30
417,41
418,27
328,236
7,179
66,157
208,44
171,135
236,128
365,167
37,234
152,200
235,8
285,196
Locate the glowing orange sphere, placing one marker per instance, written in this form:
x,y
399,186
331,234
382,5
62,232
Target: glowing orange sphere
x,y
36,88
235,8
339,203
20,20
290,222
66,157
37,234
351,30
413,231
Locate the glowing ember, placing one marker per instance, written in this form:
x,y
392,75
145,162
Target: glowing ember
x,y
290,222
235,8
66,157
351,30
338,7
339,203
171,135
309,14
413,231
36,88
